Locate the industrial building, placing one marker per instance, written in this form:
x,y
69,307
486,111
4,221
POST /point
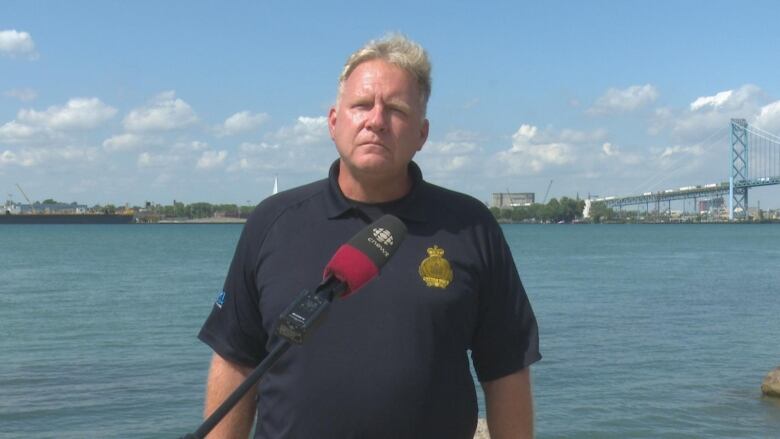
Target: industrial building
x,y
512,199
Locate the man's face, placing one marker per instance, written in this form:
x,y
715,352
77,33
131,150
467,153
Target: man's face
x,y
377,123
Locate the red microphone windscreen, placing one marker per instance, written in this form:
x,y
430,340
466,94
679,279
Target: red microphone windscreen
x,y
359,260
351,266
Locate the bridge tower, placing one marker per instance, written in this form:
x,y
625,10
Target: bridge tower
x,y
738,196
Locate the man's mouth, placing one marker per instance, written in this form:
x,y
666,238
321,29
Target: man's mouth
x,y
375,143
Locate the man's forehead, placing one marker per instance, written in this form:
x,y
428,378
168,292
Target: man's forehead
x,y
370,75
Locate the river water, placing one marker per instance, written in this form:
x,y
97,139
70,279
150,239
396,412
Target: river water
x,y
647,331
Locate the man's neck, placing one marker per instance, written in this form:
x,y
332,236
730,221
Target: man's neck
x,y
371,189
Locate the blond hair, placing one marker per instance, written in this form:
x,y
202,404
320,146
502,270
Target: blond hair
x,y
400,51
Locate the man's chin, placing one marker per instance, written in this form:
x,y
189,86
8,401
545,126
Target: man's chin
x,y
373,163
376,168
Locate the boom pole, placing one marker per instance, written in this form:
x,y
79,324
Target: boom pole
x,y
32,209
547,192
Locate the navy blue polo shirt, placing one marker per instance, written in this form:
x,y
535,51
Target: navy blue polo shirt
x,y
391,360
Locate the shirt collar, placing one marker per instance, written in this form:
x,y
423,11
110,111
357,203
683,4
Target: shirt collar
x,y
411,207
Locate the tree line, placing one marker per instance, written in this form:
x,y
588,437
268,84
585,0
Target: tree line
x,y
191,211
565,210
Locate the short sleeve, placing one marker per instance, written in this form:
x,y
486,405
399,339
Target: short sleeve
x,y
507,336
234,329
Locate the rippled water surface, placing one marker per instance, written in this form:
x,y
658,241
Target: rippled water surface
x,y
647,331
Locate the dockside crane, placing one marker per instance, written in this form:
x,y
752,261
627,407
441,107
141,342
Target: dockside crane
x,y
547,192
32,208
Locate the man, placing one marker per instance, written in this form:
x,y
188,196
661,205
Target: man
x,y
390,361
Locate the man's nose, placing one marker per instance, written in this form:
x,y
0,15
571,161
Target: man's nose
x,y
376,120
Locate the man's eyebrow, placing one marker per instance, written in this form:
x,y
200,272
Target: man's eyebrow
x,y
360,100
400,104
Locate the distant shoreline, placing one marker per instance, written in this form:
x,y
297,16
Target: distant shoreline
x,y
641,223
243,220
202,221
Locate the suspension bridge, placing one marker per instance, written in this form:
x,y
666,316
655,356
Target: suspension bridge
x,y
754,161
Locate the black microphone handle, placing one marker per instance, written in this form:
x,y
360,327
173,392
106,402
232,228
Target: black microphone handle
x,y
240,391
327,290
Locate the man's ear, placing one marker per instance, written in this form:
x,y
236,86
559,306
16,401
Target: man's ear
x,y
332,122
423,133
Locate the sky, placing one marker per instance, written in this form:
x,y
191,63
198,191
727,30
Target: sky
x,y
128,102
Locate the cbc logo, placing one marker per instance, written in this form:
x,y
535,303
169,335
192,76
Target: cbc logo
x,y
383,236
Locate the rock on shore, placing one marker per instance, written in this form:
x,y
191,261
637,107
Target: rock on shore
x,y
771,384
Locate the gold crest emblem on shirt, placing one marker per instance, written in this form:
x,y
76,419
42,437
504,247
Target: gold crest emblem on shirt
x,y
435,270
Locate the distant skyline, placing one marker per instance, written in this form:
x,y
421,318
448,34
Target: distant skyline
x,y
128,102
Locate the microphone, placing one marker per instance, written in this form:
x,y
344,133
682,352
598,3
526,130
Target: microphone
x,y
352,266
360,259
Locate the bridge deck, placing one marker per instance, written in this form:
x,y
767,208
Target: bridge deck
x,y
687,193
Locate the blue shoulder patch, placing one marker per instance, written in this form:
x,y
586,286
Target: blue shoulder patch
x,y
220,299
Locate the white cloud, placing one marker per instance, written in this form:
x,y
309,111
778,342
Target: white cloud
x,y
440,159
450,164
611,153
575,136
708,115
211,159
461,136
122,142
677,150
243,164
575,156
77,113
197,145
532,152
164,113
183,146
75,153
298,159
624,100
23,94
8,158
144,160
769,118
241,122
15,132
661,120
194,145
14,43
728,100
448,148
149,160
301,148
28,157
306,131
712,101
254,148
50,127
164,179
